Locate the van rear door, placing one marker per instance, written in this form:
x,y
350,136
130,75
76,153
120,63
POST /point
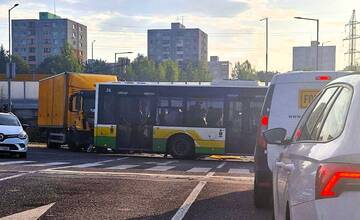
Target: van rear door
x,y
289,103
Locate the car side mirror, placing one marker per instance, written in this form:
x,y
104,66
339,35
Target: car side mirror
x,y
275,136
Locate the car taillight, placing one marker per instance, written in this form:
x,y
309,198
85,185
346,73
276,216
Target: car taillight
x,y
323,78
334,179
264,122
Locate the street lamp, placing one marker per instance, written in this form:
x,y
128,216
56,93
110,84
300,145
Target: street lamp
x,y
92,50
267,44
9,79
119,53
317,37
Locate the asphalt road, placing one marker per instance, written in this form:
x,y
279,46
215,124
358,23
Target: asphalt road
x,y
94,186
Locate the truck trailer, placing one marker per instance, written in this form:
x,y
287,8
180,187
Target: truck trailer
x,y
66,108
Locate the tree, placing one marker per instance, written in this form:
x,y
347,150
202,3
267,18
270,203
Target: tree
x,y
3,59
169,71
67,61
21,65
195,72
244,71
142,69
98,66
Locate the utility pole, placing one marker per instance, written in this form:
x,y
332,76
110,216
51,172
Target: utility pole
x,y
317,37
9,79
92,50
267,46
352,38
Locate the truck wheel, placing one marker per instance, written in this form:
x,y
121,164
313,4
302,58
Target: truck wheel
x,y
182,147
74,146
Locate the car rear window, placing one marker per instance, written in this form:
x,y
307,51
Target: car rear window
x,y
8,120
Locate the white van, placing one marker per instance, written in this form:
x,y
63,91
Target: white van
x,y
287,98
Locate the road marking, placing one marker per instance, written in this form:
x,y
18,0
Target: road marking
x,y
221,165
86,165
12,177
31,214
160,168
16,162
162,163
181,212
47,164
199,170
122,167
239,171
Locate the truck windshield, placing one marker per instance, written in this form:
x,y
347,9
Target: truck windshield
x,y
8,120
89,104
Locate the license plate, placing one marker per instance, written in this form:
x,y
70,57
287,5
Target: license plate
x,y
5,148
306,96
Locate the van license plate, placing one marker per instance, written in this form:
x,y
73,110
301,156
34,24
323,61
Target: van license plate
x,y
5,148
306,96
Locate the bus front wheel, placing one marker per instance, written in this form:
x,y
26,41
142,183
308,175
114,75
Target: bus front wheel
x,y
182,147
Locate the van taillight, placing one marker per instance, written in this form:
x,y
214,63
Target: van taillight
x,y
264,122
323,78
334,179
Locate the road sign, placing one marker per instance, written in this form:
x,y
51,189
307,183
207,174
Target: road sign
x,y
10,70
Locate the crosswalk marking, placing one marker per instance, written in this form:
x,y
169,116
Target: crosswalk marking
x,y
47,164
239,171
161,168
16,162
86,165
122,167
199,170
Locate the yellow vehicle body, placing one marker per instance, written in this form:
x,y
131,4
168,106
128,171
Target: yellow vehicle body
x,y
54,93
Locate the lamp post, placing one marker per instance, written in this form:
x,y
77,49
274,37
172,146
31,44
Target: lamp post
x,y
267,45
119,53
9,79
317,37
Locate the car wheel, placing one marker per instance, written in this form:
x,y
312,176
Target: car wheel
x,y
182,147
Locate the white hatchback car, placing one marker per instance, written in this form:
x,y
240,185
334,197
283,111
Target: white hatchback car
x,y
13,138
317,175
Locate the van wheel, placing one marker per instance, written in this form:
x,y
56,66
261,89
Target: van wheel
x,y
260,200
182,147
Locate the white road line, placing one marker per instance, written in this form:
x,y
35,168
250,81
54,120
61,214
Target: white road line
x,y
181,212
122,167
16,162
86,165
47,164
32,214
221,165
12,177
160,168
199,170
239,171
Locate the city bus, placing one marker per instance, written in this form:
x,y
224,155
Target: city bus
x,y
178,119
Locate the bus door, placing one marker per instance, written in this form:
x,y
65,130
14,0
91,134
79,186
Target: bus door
x,y
236,125
135,121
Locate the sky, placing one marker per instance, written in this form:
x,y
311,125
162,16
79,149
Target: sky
x,y
234,29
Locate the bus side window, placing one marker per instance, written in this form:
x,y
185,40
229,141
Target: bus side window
x,y
170,112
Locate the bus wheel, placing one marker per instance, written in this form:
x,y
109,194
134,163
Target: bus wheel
x,y
182,147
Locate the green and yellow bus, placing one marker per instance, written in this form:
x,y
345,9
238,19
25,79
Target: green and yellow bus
x,y
181,120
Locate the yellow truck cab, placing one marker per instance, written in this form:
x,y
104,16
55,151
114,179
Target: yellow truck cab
x,y
66,108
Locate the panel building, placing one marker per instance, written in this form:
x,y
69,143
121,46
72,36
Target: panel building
x,y
304,58
36,39
219,69
179,43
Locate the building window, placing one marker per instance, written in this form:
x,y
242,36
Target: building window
x,y
74,26
47,50
32,49
46,41
73,35
80,28
24,58
31,58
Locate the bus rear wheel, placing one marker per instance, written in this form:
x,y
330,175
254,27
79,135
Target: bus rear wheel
x,y
182,147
